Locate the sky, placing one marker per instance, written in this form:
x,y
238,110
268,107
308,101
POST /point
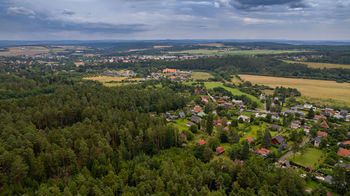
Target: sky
x,y
174,19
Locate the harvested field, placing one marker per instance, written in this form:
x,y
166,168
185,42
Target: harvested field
x,y
317,89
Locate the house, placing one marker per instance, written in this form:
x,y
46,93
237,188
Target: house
x,y
219,150
345,166
226,98
218,122
258,115
317,141
279,139
183,136
196,119
328,179
201,142
77,64
244,118
201,114
346,143
343,152
295,125
322,134
237,102
320,117
338,116
227,128
286,163
262,96
324,125
343,112
189,124
307,106
170,70
250,139
205,99
307,129
298,107
276,127
197,109
263,152
182,114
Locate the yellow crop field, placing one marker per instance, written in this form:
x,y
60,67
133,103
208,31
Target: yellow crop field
x,y
319,90
322,65
201,76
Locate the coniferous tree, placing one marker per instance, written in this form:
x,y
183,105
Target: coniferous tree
x,y
266,141
210,123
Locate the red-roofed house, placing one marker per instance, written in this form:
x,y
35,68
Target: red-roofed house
x,y
201,142
346,142
263,152
250,139
205,99
197,109
219,150
324,125
218,122
78,64
343,152
169,70
319,117
226,128
321,133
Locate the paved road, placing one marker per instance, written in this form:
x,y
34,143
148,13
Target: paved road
x,y
290,153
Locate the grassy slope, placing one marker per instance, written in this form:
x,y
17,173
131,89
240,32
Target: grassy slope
x,y
234,91
310,158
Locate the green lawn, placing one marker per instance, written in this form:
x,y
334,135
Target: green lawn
x,y
312,157
180,124
234,91
201,75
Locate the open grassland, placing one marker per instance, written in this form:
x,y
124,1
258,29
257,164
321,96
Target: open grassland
x,y
322,65
233,52
201,76
106,79
234,91
24,50
322,90
114,81
310,158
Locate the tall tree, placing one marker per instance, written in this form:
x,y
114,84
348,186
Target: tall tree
x,y
210,123
245,153
266,141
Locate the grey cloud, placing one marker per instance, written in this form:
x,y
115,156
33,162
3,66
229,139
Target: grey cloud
x,y
259,4
68,12
20,11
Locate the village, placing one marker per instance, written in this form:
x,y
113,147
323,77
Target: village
x,y
309,138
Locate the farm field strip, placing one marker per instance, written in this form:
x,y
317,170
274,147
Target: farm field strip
x,y
318,89
234,52
321,65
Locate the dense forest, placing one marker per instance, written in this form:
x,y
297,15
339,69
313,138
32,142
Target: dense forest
x,y
82,138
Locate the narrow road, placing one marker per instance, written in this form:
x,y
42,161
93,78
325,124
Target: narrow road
x,y
290,153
